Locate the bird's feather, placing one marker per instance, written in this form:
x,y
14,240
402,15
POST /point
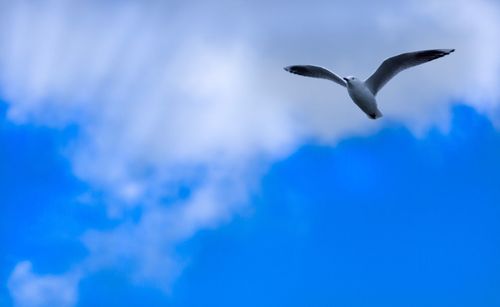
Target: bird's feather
x,y
315,72
394,65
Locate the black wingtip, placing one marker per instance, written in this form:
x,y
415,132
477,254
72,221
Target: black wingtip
x,y
446,51
287,68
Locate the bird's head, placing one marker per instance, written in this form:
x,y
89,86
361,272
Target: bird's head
x,y
350,79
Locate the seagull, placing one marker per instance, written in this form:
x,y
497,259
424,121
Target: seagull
x,y
363,92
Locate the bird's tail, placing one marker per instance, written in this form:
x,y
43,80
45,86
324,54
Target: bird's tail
x,y
376,115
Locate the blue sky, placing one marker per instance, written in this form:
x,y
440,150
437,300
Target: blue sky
x,y
382,220
157,154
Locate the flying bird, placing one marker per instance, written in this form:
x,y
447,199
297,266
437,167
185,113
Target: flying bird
x,y
363,92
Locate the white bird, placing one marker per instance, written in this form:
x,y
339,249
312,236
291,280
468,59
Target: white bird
x,y
363,92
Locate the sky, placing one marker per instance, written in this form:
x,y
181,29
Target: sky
x,y
156,154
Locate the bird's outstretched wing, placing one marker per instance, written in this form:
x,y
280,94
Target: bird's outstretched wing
x,y
315,72
392,66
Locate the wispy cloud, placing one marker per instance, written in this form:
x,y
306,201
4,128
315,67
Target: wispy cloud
x,y
30,289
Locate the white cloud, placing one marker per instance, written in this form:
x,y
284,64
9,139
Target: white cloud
x,y
171,94
29,289
145,249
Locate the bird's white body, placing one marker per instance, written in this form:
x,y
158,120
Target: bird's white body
x,y
363,97
363,92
